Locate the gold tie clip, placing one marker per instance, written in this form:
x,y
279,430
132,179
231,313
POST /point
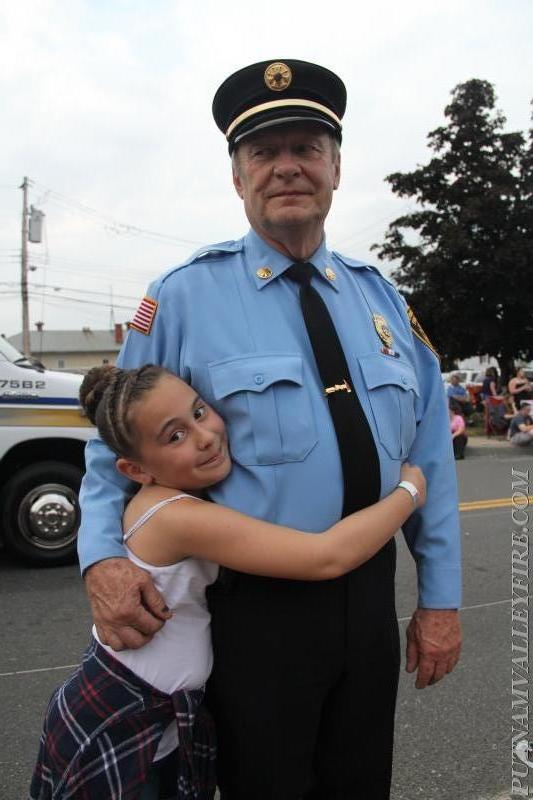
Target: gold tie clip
x,y
338,387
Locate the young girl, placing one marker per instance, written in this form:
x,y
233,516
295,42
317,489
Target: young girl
x,y
458,431
123,711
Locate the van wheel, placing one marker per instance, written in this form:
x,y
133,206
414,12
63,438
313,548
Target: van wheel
x,y
40,514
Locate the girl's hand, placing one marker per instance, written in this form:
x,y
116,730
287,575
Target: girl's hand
x,y
412,473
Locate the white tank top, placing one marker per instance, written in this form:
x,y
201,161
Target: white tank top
x,y
180,655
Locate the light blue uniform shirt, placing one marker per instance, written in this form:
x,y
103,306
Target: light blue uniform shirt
x,y
239,338
456,391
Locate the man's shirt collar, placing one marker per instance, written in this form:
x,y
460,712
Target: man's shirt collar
x,y
266,263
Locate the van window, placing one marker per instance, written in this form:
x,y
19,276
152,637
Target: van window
x,y
8,352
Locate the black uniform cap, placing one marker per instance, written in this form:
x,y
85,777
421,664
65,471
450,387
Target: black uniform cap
x,y
277,92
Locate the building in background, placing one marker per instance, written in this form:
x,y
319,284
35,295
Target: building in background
x,y
73,351
478,362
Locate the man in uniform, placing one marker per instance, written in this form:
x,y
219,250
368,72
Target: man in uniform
x,y
327,383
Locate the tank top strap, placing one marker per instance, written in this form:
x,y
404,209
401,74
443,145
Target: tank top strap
x,y
149,513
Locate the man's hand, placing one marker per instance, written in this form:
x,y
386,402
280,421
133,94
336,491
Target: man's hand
x,y
433,644
127,608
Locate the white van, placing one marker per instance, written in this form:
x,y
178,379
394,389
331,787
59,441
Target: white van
x,y
42,440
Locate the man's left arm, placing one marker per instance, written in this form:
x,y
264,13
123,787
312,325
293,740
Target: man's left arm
x,y
433,532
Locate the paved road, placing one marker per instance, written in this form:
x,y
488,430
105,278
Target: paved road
x,y
452,740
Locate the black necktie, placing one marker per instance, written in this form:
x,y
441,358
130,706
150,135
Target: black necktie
x,y
359,458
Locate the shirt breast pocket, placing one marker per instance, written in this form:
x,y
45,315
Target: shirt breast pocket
x,y
392,390
266,406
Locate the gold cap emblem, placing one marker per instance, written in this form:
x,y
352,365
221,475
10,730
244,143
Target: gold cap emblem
x,y
382,328
330,274
278,76
264,273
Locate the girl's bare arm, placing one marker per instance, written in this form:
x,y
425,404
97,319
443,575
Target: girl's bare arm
x,y
206,530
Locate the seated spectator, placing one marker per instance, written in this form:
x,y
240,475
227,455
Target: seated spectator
x,y
519,387
498,423
459,437
521,428
501,414
509,406
458,397
490,383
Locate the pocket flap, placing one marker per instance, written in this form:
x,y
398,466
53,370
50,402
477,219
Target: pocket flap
x,y
380,370
254,373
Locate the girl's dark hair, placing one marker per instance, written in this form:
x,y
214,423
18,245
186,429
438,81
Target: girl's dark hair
x,y
107,395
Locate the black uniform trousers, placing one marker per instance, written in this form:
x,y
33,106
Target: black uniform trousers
x,y
304,684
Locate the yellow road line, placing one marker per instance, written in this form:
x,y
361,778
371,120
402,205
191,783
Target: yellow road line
x,y
501,502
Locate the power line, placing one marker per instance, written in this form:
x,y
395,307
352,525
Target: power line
x,y
80,262
66,298
87,313
357,236
61,298
112,224
39,262
33,286
142,278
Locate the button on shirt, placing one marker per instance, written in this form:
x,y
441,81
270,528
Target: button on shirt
x,y
230,324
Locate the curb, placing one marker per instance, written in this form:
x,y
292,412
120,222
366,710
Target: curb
x,y
488,441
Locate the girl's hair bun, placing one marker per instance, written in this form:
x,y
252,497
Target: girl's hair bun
x,y
93,387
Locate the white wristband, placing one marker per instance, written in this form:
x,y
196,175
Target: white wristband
x,y
411,488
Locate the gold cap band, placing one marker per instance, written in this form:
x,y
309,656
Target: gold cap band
x,y
285,103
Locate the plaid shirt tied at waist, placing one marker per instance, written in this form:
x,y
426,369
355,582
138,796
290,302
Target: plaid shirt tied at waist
x,y
102,729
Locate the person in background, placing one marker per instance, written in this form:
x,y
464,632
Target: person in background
x,y
490,383
509,406
458,431
521,427
520,387
458,396
501,414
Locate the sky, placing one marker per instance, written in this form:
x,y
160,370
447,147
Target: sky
x,y
106,108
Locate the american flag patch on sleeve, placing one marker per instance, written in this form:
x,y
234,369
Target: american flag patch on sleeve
x,y
144,316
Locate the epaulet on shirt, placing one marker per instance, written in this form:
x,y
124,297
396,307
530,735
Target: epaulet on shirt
x,y
419,332
213,250
206,253
354,263
145,314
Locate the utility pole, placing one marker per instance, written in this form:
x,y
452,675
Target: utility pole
x,y
111,309
24,272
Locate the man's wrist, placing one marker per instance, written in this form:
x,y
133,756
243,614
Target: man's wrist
x,y
106,559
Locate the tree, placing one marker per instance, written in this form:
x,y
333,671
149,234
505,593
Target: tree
x,y
466,256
